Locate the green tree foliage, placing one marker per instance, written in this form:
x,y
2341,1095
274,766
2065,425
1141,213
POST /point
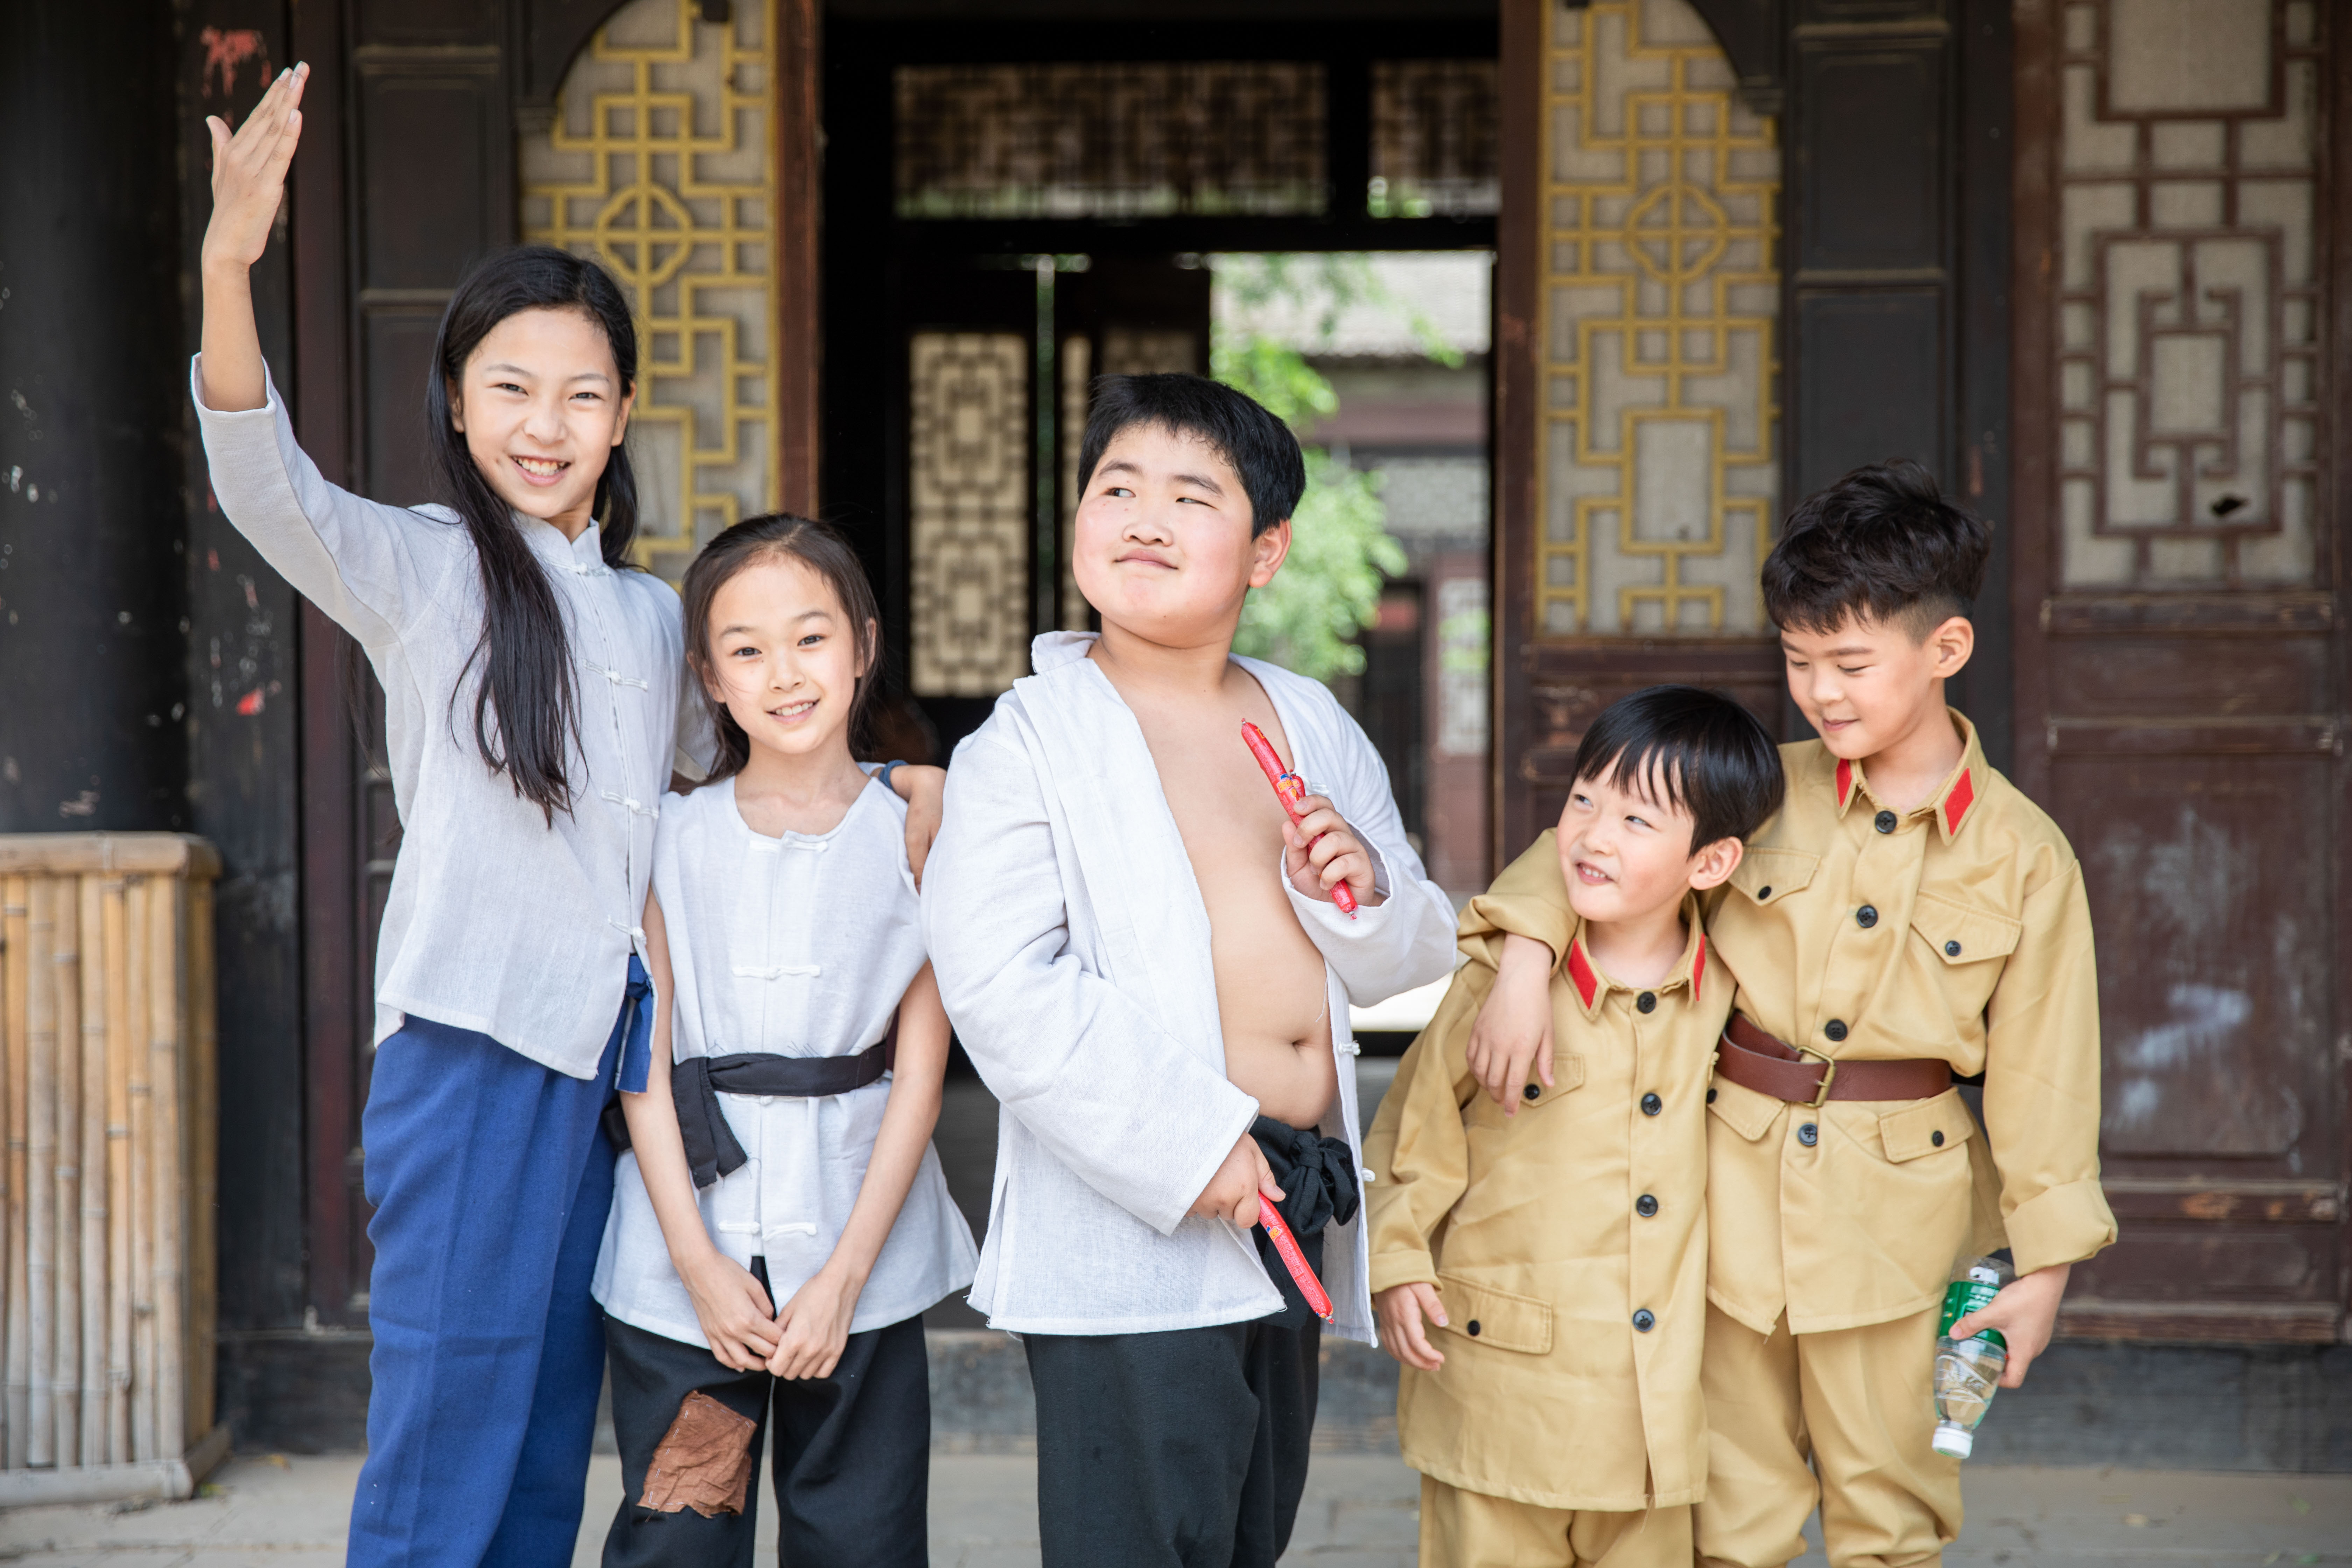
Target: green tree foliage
x,y
1329,591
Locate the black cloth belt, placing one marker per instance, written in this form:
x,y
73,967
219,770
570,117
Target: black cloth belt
x,y
1317,1176
696,1084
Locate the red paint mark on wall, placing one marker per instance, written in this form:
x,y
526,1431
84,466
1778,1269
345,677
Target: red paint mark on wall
x,y
250,703
224,51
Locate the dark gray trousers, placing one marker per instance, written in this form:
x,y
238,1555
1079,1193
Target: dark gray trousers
x,y
853,1459
1183,1449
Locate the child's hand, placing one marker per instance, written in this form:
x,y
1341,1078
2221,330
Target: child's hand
x,y
249,172
735,1313
1400,1309
1232,1192
814,1326
1337,856
2026,1313
926,790
1513,1029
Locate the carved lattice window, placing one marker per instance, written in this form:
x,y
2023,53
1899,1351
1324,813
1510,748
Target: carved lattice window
x,y
1099,139
1658,476
970,507
2189,371
1435,148
659,164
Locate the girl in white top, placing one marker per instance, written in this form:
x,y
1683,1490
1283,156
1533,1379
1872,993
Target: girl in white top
x,y
531,680
780,1221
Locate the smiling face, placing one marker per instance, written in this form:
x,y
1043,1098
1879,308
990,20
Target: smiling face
x,y
1626,853
541,408
1867,685
1163,547
783,656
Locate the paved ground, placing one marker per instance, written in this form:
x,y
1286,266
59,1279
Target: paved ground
x,y
1359,1513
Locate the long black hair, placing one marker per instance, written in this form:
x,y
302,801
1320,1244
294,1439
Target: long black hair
x,y
823,551
525,707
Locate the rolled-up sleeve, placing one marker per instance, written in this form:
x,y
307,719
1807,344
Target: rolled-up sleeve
x,y
1092,1076
1408,939
2041,1082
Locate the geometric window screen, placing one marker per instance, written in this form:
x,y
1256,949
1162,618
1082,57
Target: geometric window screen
x,y
1434,139
1112,140
971,510
658,165
2189,365
1658,478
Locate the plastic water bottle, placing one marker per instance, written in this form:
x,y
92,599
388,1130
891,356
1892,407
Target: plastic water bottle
x,y
1967,1372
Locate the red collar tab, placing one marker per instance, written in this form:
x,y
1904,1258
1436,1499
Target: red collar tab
x,y
1845,783
1580,970
1962,795
1698,968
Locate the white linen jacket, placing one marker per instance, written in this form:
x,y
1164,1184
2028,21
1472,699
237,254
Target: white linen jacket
x,y
1071,950
499,920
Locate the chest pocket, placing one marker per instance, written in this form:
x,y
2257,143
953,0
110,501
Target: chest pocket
x,y
1769,875
1968,943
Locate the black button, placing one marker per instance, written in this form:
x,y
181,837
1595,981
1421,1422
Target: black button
x,y
1474,1328
1937,1139
1647,1002
1645,1320
1532,1090
1710,1097
1645,1205
1834,1028
1952,949
1652,1105
1866,917
1884,821
1809,1134
1764,892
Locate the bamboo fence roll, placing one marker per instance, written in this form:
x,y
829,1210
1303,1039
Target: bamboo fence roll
x,y
108,1097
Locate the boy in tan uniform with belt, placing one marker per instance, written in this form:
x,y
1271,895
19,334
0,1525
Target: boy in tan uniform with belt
x,y
1556,1246
1908,918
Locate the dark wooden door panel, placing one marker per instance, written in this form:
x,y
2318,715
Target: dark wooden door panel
x,y
2179,673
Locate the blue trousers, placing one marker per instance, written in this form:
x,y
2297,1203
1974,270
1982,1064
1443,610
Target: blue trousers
x,y
491,1181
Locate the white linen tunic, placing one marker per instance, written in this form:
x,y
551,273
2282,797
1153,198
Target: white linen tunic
x,y
497,921
1071,945
798,946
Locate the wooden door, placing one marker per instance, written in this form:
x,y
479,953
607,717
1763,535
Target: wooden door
x,y
2180,682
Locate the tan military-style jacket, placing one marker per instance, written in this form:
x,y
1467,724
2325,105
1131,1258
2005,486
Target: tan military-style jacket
x,y
1567,1242
1957,929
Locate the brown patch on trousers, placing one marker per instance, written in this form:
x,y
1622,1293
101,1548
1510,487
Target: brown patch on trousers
x,y
704,1461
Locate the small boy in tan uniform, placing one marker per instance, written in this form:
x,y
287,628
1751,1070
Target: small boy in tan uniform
x,y
1909,918
1555,1245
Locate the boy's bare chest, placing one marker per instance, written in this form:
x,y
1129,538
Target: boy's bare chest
x,y
1225,811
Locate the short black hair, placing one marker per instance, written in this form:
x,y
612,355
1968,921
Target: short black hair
x,y
1883,542
1705,750
1260,447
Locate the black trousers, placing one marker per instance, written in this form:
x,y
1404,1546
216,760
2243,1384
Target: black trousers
x,y
853,1453
1183,1449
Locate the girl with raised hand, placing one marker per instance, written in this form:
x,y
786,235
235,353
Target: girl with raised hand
x,y
532,680
780,1222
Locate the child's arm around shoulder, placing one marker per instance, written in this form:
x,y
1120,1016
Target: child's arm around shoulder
x,y
1519,927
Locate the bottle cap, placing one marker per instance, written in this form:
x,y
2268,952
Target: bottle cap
x,y
1957,1441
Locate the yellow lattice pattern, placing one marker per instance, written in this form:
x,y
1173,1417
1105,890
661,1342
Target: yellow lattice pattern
x,y
1658,476
659,165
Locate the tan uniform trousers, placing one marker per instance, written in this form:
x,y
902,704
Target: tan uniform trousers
x,y
1470,1530
1861,1404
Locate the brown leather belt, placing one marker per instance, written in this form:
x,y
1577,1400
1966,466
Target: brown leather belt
x,y
1754,1059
